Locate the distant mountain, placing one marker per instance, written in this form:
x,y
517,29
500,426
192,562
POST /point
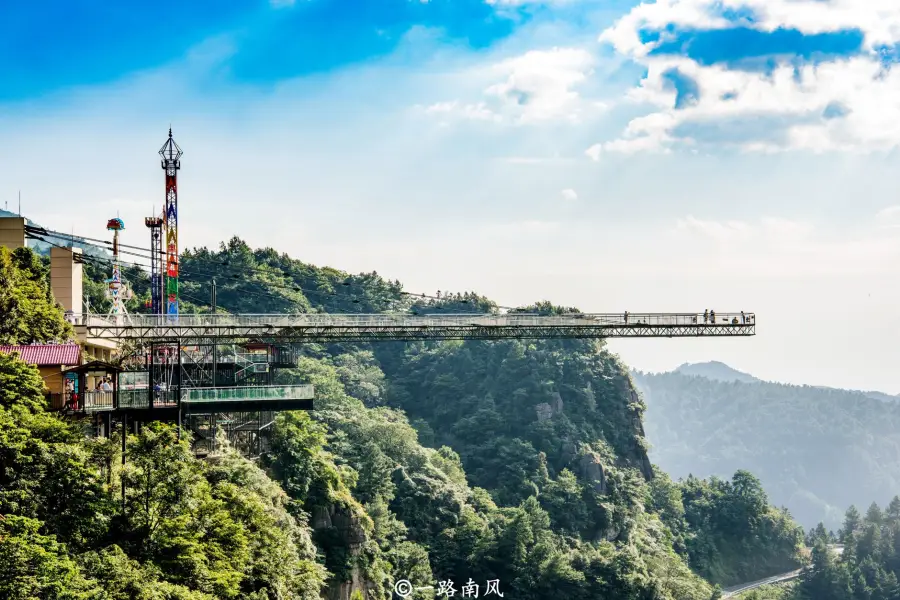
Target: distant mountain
x,y
816,450
716,371
882,396
719,371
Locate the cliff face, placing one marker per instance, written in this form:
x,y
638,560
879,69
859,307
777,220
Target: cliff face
x,y
639,453
538,408
551,428
338,524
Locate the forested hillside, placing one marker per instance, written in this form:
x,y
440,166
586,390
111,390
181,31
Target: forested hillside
x,y
867,568
816,450
522,462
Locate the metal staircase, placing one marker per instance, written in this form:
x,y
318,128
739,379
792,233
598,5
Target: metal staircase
x,y
247,365
246,431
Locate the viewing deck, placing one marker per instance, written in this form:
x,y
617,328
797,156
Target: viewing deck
x,y
215,399
299,328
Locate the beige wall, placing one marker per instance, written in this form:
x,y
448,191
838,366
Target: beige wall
x,y
53,379
12,232
65,278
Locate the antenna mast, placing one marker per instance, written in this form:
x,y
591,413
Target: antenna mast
x,y
171,163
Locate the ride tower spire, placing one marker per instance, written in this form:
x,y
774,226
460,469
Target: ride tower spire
x,y
171,164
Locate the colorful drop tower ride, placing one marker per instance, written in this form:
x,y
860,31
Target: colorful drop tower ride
x,y
171,163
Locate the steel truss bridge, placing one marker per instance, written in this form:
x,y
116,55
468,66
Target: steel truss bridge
x,y
322,328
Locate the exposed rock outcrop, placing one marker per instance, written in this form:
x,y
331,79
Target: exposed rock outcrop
x,y
590,468
340,525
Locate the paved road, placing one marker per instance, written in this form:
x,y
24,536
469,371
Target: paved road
x,y
746,587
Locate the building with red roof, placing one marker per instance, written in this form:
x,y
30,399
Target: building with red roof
x,y
50,359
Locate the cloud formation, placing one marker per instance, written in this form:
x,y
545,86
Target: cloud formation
x,y
569,194
761,75
537,86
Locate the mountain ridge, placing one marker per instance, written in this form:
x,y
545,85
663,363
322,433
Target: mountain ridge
x,y
718,371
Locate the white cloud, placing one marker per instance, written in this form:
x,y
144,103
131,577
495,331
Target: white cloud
x,y
569,194
865,96
539,85
879,20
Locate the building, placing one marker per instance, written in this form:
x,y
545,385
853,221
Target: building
x,y
12,232
51,360
66,282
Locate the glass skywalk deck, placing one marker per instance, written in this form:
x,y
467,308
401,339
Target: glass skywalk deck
x,y
215,399
244,394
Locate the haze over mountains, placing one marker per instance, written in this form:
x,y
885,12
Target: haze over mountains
x,y
817,450
719,371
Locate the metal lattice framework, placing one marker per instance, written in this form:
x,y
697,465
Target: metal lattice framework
x,y
155,224
302,328
171,163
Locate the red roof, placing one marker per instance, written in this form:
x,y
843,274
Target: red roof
x,y
46,355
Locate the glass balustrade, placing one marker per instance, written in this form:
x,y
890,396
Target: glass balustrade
x,y
243,394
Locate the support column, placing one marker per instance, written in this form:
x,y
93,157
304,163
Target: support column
x,y
215,355
151,392
180,381
124,437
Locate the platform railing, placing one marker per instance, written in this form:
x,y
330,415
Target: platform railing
x,y
239,394
140,398
90,401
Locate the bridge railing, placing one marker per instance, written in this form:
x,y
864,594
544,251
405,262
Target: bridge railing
x,y
140,398
405,320
239,394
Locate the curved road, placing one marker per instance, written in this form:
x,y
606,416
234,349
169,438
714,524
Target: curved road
x,y
746,587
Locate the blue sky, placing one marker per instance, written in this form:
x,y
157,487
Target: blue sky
x,y
618,155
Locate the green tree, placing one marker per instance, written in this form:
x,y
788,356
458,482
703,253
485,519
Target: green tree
x,y
27,311
852,521
37,566
20,384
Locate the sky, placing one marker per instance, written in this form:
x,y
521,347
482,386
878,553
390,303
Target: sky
x,y
613,155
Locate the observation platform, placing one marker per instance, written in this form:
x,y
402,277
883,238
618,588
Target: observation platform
x,y
193,400
323,328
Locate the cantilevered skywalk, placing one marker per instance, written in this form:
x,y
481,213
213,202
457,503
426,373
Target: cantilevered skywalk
x,y
309,328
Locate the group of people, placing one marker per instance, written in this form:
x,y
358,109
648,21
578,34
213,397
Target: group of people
x,y
709,316
104,385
